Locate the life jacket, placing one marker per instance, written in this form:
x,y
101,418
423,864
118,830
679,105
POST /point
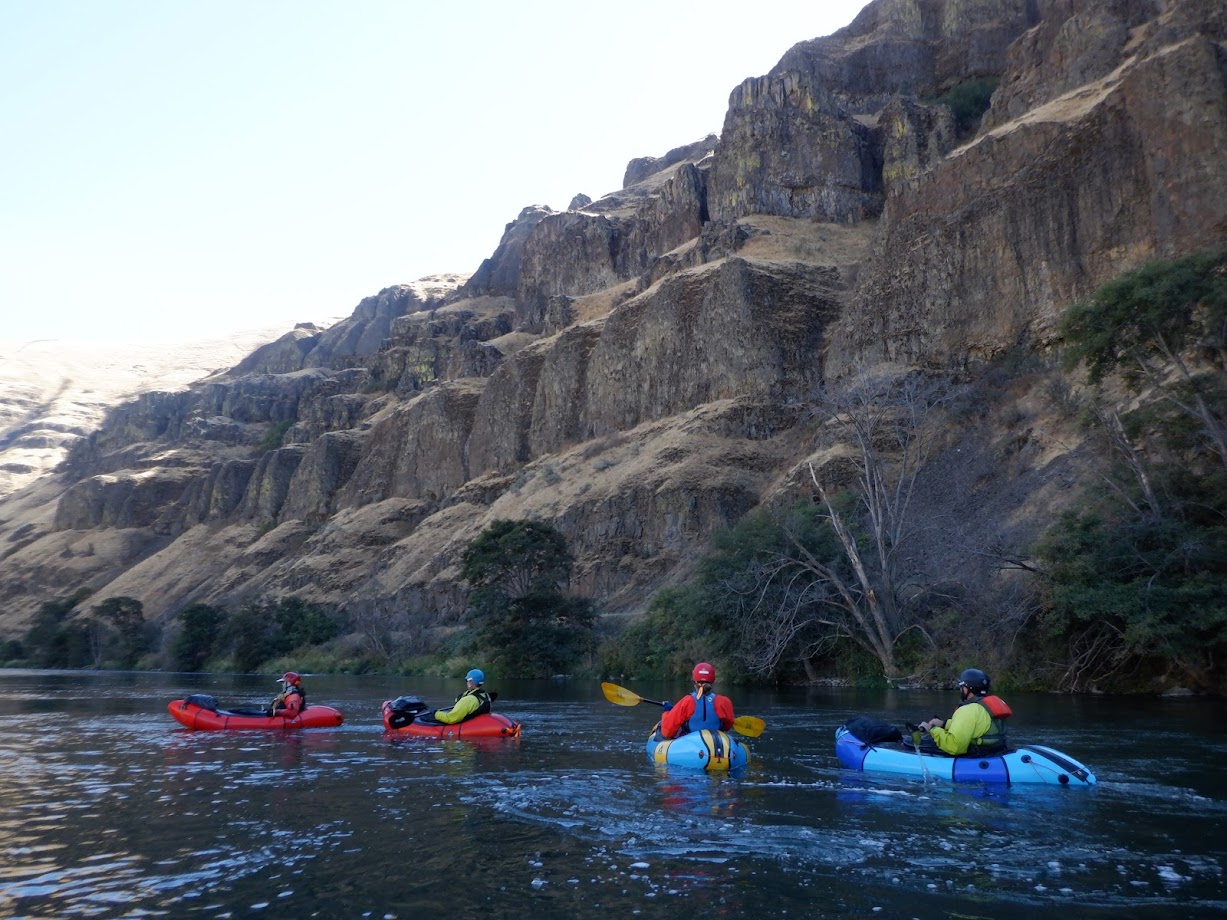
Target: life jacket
x,y
483,698
280,703
704,713
993,741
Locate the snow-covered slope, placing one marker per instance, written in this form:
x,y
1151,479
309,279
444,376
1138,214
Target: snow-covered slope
x,y
53,392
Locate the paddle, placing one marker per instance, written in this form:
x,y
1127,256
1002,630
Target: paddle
x,y
916,735
750,726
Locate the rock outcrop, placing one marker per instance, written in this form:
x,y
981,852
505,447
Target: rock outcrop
x,y
637,369
800,141
641,168
980,252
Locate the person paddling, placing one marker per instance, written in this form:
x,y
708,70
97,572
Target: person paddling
x,y
699,709
292,699
472,702
978,725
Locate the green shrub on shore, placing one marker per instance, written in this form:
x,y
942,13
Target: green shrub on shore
x,y
1136,575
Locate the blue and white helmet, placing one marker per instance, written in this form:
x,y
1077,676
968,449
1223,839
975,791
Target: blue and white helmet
x,y
476,676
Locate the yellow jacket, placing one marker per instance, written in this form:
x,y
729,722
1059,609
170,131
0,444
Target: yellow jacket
x,y
466,706
968,723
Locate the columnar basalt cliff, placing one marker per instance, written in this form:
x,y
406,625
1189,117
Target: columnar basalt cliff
x,y
636,369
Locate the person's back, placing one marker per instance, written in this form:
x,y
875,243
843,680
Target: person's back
x,y
700,709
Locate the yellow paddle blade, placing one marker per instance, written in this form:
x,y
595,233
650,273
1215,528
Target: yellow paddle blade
x,y
750,726
620,696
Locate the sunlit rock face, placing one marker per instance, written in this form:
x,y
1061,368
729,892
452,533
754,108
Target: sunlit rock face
x,y
806,141
638,369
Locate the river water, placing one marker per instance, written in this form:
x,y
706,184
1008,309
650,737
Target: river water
x,y
110,809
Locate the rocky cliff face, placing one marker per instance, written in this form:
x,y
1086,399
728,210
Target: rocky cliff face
x,y
1114,157
635,369
807,140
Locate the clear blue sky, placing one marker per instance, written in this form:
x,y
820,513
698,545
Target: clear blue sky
x,y
178,170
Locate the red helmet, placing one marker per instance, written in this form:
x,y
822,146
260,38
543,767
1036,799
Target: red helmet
x,y
291,678
704,673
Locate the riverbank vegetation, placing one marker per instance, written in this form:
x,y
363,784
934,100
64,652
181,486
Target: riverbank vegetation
x,y
1136,575
71,633
521,621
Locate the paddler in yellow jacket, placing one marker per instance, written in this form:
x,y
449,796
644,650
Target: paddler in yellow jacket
x,y
978,725
473,702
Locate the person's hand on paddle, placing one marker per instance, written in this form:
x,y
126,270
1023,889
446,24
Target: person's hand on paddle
x,y
750,726
933,723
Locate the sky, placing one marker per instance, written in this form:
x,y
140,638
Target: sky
x,y
181,169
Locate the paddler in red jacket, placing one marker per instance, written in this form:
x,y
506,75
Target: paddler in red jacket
x,y
701,708
292,699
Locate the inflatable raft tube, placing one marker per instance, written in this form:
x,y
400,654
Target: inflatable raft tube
x,y
713,751
195,712
1026,764
487,725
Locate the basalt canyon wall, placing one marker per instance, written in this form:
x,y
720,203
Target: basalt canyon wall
x,y
636,369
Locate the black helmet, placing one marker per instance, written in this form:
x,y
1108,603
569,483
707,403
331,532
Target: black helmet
x,y
974,680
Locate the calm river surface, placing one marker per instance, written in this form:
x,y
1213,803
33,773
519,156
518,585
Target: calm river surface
x,y
110,809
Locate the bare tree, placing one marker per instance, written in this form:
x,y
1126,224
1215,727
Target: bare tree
x,y
864,585
379,621
100,636
1130,459
785,614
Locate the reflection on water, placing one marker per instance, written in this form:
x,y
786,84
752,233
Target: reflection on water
x,y
111,809
715,796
